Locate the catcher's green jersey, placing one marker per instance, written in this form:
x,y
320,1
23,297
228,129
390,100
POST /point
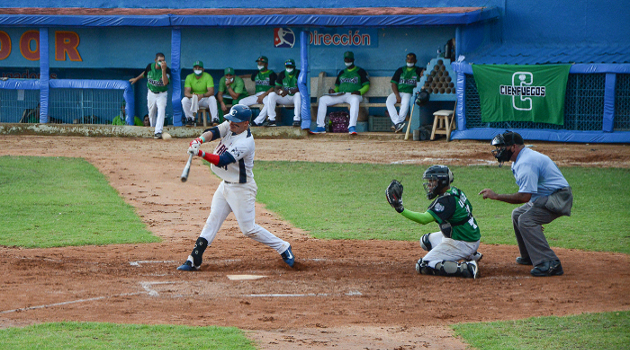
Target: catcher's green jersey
x,y
264,80
406,78
453,207
350,80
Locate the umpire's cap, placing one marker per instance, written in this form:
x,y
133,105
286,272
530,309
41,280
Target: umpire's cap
x,y
239,113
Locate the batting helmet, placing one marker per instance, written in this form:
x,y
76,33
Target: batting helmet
x,y
239,113
440,177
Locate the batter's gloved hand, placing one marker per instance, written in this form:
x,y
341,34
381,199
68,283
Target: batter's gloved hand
x,y
393,193
194,146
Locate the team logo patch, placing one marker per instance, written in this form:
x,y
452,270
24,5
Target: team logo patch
x,y
283,37
236,152
438,207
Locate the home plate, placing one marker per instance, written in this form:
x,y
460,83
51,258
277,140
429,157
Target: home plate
x,y
244,277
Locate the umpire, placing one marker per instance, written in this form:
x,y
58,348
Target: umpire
x,y
546,194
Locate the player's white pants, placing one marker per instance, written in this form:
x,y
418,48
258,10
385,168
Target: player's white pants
x,y
275,99
448,249
240,199
325,101
156,104
252,100
210,102
398,117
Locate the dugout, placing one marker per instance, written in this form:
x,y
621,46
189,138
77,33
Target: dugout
x,y
485,32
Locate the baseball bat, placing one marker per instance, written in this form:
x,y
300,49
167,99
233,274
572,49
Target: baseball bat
x,y
184,176
410,118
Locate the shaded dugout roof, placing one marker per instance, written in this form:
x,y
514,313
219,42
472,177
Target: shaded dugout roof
x,y
301,17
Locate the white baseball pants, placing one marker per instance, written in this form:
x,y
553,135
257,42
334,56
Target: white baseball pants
x,y
156,104
252,100
448,249
275,99
209,102
398,117
241,200
352,100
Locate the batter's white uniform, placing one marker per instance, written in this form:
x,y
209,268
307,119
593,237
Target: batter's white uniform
x,y
237,191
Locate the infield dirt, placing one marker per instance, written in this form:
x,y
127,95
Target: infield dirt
x,y
343,294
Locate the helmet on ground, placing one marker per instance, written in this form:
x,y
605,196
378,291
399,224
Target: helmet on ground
x,y
438,178
423,97
239,113
502,141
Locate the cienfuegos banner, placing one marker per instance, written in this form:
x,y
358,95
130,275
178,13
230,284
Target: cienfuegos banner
x,y
522,93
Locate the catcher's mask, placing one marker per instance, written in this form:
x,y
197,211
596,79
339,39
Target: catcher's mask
x,y
239,113
438,177
501,143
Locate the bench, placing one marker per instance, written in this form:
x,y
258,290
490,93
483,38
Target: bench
x,y
380,87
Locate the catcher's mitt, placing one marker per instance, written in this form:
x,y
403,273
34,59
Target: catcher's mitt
x,y
393,193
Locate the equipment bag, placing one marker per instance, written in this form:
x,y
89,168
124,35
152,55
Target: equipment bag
x,y
340,121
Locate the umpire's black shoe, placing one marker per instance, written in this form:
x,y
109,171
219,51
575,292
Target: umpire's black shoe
x,y
547,268
524,261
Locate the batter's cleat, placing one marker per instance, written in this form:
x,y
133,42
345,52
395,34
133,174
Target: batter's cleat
x,y
352,130
158,136
318,130
269,123
297,123
288,257
188,266
477,256
399,127
524,261
547,268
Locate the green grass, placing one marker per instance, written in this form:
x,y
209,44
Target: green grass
x,y
347,201
610,330
95,336
53,202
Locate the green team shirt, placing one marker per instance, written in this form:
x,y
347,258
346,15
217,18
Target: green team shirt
x,y
454,207
286,80
350,80
406,78
238,86
154,78
201,85
264,80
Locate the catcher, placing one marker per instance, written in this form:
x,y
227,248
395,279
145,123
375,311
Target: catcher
x,y
458,238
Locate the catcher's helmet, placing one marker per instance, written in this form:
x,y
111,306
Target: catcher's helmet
x,y
440,177
502,141
239,113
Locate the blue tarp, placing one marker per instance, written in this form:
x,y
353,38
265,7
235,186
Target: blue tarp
x,y
271,20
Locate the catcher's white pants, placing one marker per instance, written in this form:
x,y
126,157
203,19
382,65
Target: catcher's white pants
x,y
252,100
352,100
156,104
448,249
398,117
209,102
241,200
275,99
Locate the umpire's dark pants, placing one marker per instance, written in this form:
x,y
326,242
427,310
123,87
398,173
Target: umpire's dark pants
x,y
528,220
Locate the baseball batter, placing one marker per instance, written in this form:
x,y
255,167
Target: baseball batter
x,y
232,160
459,234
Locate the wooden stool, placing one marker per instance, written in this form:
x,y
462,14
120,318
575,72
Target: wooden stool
x,y
202,115
443,123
